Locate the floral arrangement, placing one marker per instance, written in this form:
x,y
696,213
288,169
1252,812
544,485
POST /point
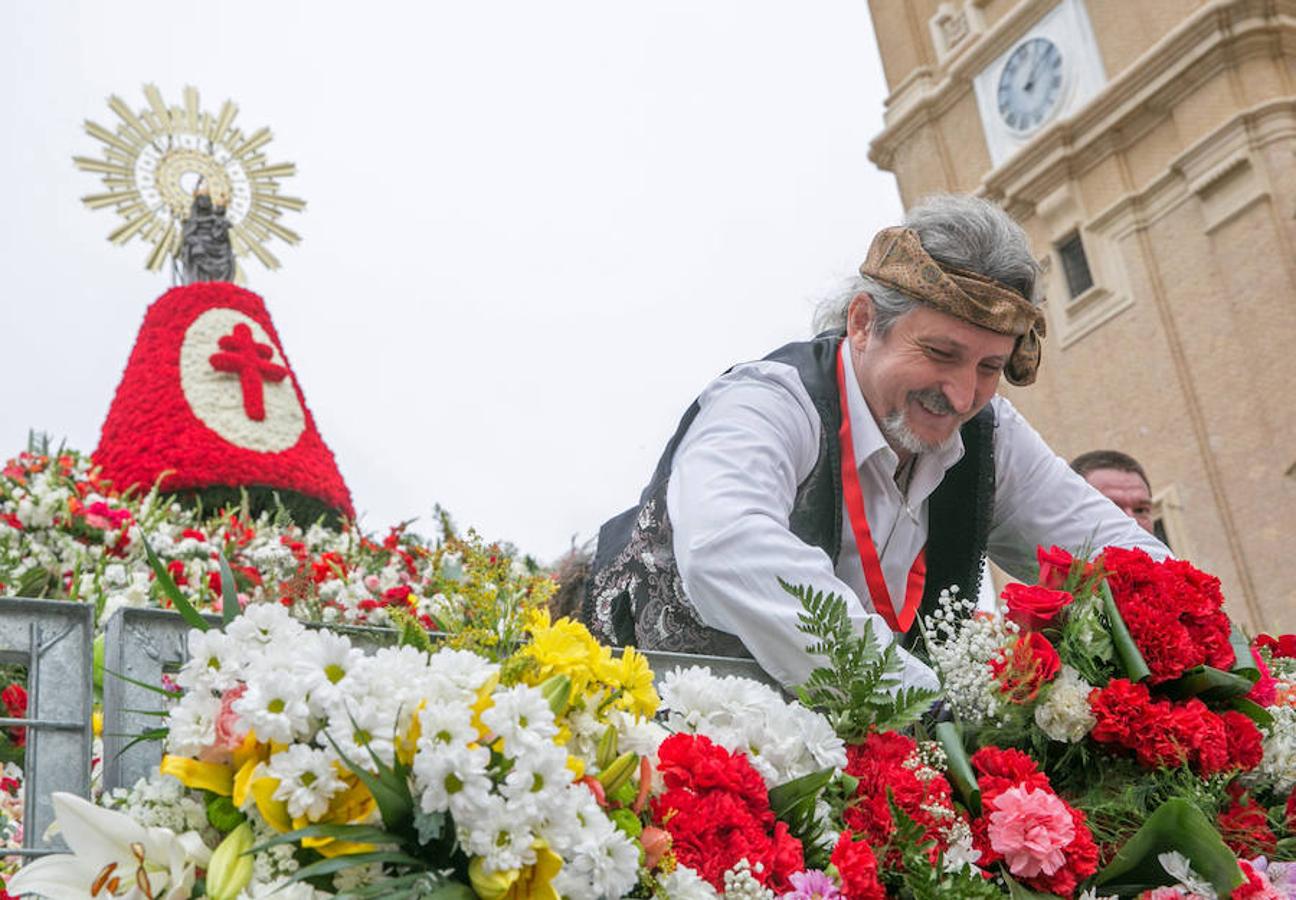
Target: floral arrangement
x,y
1114,719
1070,753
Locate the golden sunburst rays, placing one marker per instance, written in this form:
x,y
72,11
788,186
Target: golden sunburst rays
x,y
155,159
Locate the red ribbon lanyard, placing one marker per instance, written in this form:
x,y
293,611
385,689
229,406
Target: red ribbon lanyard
x,y
864,538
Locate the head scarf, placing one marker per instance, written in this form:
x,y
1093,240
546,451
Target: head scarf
x,y
898,260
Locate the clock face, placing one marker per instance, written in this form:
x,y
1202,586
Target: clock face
x,y
1030,85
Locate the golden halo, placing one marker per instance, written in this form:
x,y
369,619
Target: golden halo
x,y
156,158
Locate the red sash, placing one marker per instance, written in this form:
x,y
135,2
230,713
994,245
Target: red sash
x,y
864,538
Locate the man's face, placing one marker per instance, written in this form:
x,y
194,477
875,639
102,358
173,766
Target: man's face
x,y
928,375
1127,490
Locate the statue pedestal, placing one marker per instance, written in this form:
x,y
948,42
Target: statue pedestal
x,y
209,404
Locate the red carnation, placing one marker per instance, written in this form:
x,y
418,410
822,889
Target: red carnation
x,y
1001,769
1173,611
884,765
1245,828
1289,813
1034,607
857,869
716,810
1245,742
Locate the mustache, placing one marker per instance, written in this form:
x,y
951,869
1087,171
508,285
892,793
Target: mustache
x,y
933,400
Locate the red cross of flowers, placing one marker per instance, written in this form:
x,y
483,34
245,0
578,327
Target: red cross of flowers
x,y
242,355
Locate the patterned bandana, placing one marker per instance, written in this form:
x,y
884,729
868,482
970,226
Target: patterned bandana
x,y
898,260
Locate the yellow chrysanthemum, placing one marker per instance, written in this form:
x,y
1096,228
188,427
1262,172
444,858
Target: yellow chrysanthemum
x,y
633,677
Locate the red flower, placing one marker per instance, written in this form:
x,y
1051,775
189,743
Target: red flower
x,y
14,698
716,810
1245,742
1283,647
857,868
1033,664
1173,611
1055,566
1289,814
1001,769
1265,690
1034,607
883,763
1245,828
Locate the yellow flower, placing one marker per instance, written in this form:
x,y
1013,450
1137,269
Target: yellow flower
x,y
96,721
192,773
529,883
634,677
565,648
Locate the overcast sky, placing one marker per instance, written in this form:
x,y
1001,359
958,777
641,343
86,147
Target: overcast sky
x,y
534,230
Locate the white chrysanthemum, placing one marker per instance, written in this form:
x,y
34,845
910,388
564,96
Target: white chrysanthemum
x,y
783,740
307,780
362,731
455,772
325,670
535,780
1064,715
606,864
521,716
684,884
275,707
443,725
458,674
265,624
191,724
496,833
214,663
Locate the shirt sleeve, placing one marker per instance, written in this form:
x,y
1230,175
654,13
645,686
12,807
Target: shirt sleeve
x,y
1040,500
733,482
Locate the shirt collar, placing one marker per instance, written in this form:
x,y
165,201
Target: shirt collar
x,y
867,435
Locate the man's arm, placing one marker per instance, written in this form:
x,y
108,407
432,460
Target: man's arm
x,y
1040,500
733,483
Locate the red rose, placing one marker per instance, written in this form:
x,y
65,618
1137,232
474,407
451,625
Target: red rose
x,y
857,869
1033,664
1055,566
1034,607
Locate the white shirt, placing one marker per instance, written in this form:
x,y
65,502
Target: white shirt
x,y
756,437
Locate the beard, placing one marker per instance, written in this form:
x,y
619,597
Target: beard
x,y
895,425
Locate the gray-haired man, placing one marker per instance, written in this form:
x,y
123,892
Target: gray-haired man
x,y
874,461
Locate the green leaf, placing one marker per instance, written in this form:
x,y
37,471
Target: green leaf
x,y
1252,710
168,585
350,860
153,734
1018,891
1127,651
157,689
1175,825
1210,684
229,593
1243,661
960,767
358,834
389,788
793,802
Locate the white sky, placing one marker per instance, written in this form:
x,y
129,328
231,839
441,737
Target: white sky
x,y
534,230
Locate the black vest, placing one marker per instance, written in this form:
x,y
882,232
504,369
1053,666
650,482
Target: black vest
x,y
635,594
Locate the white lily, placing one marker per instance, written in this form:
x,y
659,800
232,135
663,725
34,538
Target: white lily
x,y
112,856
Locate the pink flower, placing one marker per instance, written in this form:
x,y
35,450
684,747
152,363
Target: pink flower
x,y
813,885
1030,827
227,735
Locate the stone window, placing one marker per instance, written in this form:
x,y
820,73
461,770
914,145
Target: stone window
x,y
1075,265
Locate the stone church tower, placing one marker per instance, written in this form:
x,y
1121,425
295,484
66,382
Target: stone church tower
x,y
1149,149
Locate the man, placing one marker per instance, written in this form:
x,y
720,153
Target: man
x,y
1120,479
937,469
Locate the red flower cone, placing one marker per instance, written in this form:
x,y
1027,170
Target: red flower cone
x,y
209,400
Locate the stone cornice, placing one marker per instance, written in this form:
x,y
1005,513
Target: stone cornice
x,y
1215,35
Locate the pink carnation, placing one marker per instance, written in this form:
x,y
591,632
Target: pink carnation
x,y
1030,828
228,736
